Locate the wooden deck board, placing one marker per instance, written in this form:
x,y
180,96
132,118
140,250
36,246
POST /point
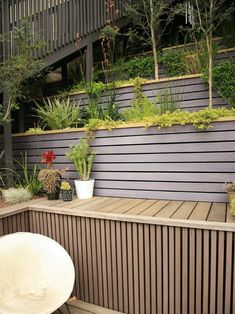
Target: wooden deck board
x,y
169,209
217,212
184,211
200,211
139,209
155,208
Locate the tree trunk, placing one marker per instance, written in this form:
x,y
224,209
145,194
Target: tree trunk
x,y
154,42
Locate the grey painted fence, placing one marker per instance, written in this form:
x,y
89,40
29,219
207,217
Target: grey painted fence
x,y
178,163
138,268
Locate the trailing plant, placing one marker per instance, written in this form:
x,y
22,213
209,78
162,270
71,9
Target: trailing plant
x,y
224,80
200,119
82,156
58,113
16,195
50,177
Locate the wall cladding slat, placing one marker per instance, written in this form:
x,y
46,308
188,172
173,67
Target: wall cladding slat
x,y
140,268
189,94
179,163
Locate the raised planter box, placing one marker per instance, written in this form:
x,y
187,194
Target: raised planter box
x,y
177,163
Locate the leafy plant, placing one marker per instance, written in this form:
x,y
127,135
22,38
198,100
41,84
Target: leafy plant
x,y
26,178
224,80
49,177
82,157
139,66
58,113
174,61
16,69
16,195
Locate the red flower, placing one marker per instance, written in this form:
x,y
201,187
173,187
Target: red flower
x,y
48,157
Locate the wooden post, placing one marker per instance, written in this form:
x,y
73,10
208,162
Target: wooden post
x,y
7,140
89,61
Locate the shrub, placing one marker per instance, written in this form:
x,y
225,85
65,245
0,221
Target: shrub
x,y
16,195
58,113
224,80
174,61
139,66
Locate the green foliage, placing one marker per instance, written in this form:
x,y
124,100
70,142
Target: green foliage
x,y
174,61
58,113
143,107
82,157
97,110
26,178
16,195
139,66
233,207
200,119
224,80
34,131
20,67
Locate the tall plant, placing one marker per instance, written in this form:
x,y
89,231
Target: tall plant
x,y
152,17
206,17
19,67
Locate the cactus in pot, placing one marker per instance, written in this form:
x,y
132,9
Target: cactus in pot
x,y
82,156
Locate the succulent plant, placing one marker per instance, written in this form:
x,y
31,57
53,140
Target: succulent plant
x,y
65,186
229,186
82,157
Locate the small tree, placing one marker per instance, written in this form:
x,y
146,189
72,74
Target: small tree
x,y
152,17
206,17
17,68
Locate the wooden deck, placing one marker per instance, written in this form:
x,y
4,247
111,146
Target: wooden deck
x,y
80,307
205,212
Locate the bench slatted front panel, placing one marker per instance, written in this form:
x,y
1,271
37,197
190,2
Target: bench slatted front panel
x,y
177,163
139,268
15,223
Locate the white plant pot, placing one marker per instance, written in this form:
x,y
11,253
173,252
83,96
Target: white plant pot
x,y
84,189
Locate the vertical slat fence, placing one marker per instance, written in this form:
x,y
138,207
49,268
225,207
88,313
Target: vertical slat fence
x,y
140,268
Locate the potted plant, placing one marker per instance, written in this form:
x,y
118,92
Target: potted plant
x,y
233,207
82,157
50,177
229,187
66,191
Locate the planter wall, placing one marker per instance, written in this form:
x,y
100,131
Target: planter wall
x,y
177,163
189,93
